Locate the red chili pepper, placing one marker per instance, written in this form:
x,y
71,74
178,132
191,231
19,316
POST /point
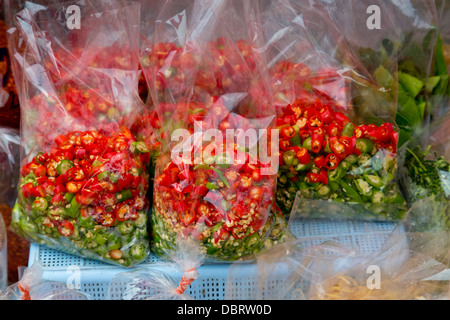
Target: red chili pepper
x,y
296,108
340,117
301,123
304,134
26,190
289,119
326,114
319,161
187,217
316,142
65,228
331,161
40,171
324,176
287,132
337,147
303,156
315,122
334,129
285,145
200,191
105,218
349,143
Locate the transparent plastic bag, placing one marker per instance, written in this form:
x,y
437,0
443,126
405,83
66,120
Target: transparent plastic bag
x,y
425,177
32,286
210,89
338,139
330,270
83,181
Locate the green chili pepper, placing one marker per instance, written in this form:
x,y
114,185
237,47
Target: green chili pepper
x,y
374,180
211,186
364,159
283,179
87,223
307,144
125,227
139,147
337,174
123,195
296,140
38,156
323,192
348,130
305,191
100,239
141,220
73,210
69,196
288,157
252,240
210,249
333,185
27,226
350,192
352,159
304,167
40,204
138,251
63,166
97,163
363,187
365,145
377,196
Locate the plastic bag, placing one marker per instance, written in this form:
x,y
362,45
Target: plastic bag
x,y
83,181
296,271
9,165
33,286
209,87
157,281
335,117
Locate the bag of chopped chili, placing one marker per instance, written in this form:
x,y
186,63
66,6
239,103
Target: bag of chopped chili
x,y
210,89
83,179
332,147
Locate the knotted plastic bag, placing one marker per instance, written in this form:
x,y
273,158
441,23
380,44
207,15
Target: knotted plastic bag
x,y
159,281
33,286
210,91
335,115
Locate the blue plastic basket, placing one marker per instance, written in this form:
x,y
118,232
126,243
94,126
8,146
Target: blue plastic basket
x,y
95,277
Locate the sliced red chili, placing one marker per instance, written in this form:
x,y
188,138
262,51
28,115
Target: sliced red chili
x,y
316,142
319,161
287,132
315,122
303,156
331,161
65,228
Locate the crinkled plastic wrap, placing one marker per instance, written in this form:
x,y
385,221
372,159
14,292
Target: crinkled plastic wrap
x,y
83,181
330,271
157,281
337,136
210,90
32,286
